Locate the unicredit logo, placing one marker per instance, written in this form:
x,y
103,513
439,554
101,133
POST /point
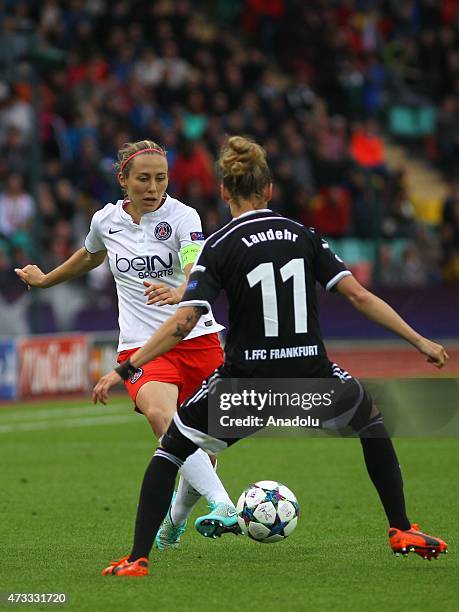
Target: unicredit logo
x,y
148,263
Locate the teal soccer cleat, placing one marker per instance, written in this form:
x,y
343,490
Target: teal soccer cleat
x,y
168,535
222,519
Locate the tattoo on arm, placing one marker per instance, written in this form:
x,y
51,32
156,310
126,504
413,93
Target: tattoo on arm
x,y
183,329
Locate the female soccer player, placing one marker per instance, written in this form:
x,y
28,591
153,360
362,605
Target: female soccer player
x,y
150,236
268,266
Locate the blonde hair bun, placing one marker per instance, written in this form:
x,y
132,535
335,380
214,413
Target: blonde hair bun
x,y
244,168
240,155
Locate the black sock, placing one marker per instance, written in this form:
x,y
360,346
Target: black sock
x,y
384,471
155,499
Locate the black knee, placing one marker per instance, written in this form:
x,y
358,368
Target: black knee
x,y
175,443
365,414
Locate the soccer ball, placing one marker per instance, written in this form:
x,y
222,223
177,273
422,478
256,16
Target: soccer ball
x,y
267,511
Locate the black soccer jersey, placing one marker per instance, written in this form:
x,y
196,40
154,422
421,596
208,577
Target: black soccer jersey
x,y
268,265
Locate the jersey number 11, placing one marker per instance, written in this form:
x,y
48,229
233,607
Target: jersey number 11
x,y
264,274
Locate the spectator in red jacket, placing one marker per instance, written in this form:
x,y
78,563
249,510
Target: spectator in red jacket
x,y
332,211
192,163
367,146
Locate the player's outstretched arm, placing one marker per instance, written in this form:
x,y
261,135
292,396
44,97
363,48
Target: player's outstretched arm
x,y
170,333
81,262
378,310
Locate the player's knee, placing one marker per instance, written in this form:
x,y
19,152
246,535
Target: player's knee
x,y
175,443
159,419
158,403
159,425
366,412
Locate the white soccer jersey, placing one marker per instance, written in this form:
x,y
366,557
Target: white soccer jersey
x,y
148,251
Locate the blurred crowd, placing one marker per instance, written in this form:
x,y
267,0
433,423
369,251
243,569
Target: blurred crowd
x,y
311,81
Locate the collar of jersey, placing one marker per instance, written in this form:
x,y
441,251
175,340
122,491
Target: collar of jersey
x,y
253,212
151,216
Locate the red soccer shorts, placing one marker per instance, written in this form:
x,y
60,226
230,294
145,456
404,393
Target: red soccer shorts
x,y
186,366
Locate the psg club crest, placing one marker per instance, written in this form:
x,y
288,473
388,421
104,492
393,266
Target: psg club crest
x,y
136,376
163,231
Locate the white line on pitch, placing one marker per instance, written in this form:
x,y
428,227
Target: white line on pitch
x,y
63,423
52,413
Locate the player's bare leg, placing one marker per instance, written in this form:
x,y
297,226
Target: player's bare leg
x,y
158,403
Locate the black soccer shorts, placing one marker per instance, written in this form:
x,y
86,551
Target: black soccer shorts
x,y
189,429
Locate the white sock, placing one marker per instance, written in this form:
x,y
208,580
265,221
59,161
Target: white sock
x,y
184,502
197,478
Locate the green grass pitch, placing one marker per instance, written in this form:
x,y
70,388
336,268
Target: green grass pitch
x,y
70,475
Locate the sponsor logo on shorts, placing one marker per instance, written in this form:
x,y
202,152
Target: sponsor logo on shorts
x,y
163,231
192,284
208,323
136,376
196,236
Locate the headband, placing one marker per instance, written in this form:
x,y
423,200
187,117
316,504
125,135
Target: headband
x,y
149,150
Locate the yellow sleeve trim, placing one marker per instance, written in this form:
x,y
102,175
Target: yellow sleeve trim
x,y
189,254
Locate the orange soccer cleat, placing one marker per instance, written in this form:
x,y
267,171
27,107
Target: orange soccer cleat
x,y
123,567
413,540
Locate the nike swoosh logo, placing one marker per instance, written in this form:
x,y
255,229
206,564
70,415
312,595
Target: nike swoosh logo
x,y
110,231
230,514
